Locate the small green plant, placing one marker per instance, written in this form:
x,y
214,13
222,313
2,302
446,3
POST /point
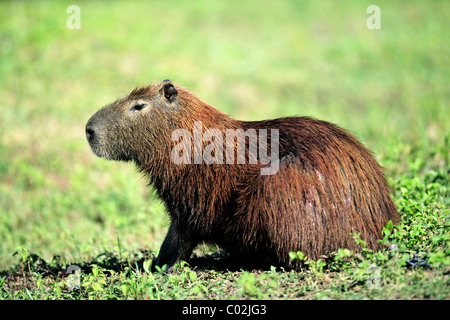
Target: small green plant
x,y
259,287
24,254
297,256
316,266
341,260
313,265
186,275
95,282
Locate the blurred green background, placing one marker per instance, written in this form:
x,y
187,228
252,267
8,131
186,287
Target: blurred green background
x,y
251,59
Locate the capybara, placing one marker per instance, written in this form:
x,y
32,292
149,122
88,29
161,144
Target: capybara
x,y
213,173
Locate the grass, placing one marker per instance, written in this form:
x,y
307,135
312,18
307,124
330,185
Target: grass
x,y
60,206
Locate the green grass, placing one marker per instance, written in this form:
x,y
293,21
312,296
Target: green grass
x,y
61,206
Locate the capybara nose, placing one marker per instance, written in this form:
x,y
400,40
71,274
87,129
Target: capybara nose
x,y
90,132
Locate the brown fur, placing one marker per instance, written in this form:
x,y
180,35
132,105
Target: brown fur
x,y
327,187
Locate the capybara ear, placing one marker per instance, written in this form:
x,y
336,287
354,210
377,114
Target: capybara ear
x,y
169,91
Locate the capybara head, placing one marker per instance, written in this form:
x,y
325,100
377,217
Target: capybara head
x,y
124,130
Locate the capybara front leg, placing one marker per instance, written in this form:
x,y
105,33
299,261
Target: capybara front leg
x,y
173,249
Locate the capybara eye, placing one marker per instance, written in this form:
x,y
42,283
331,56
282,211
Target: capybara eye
x,y
138,107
